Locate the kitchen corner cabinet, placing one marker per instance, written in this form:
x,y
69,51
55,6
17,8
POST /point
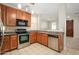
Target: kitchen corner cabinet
x,y
14,41
42,38
6,44
11,16
32,37
39,38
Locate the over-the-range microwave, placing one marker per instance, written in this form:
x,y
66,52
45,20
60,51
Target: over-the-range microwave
x,y
20,22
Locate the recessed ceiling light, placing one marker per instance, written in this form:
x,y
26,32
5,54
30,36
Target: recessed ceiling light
x,y
19,6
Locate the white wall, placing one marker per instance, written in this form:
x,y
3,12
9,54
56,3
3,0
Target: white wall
x,y
76,27
34,22
62,21
73,42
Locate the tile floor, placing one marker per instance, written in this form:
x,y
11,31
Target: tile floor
x,y
38,49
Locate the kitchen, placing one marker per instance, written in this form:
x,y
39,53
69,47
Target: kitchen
x,y
21,29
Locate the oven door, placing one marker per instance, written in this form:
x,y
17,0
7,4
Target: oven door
x,y
23,38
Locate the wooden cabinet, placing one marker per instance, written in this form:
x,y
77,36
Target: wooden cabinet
x,y
14,41
24,16
9,42
45,39
6,44
19,15
8,15
60,42
32,37
42,38
39,38
3,14
11,16
29,20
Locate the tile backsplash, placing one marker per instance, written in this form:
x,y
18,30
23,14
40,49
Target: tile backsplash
x,y
12,29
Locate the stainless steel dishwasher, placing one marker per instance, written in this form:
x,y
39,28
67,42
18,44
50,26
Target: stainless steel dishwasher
x,y
53,41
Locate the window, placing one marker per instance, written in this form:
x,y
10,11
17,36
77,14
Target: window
x,y
54,25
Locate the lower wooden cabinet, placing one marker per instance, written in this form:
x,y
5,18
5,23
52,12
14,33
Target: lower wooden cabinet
x,y
9,42
39,38
14,41
32,37
6,44
60,42
45,39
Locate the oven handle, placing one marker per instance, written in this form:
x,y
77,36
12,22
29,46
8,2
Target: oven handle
x,y
22,34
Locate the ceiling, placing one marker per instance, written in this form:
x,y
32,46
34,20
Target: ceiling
x,y
49,10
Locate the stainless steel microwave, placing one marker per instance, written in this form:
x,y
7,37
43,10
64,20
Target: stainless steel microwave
x,y
20,22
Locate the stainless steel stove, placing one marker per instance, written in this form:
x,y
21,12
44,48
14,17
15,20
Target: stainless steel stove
x,y
23,38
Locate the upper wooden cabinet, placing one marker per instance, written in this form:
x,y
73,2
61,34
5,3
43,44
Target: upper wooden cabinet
x,y
8,15
11,16
19,14
3,14
24,16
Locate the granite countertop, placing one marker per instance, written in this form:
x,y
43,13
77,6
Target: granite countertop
x,y
9,33
51,32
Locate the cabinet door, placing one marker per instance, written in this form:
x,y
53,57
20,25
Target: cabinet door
x,y
3,14
6,44
24,16
11,16
39,38
29,20
27,17
19,15
32,37
45,39
60,42
14,41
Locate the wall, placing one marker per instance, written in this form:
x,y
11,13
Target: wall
x,y
62,21
45,23
74,42
34,22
